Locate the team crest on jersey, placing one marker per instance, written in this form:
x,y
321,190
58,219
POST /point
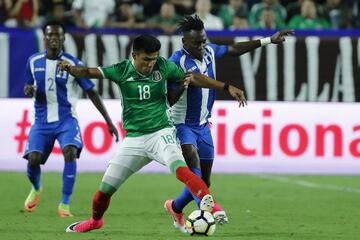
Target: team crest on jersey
x,y
62,74
156,76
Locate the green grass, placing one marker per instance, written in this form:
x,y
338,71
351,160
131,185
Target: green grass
x,y
258,208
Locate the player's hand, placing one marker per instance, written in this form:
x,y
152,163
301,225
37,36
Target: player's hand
x,y
64,66
188,78
279,37
238,95
113,131
29,90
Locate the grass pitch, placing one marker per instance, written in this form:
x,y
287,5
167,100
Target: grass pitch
x,y
259,207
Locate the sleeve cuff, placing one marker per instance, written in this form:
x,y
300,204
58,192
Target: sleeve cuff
x,y
101,71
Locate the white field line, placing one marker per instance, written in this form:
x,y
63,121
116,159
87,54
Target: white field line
x,y
308,184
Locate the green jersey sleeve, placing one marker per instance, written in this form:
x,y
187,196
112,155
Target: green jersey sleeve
x,y
175,73
115,72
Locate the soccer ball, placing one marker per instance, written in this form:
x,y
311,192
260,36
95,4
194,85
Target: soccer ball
x,y
200,222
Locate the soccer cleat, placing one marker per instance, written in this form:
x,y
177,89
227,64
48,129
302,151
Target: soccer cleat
x,y
32,199
64,210
85,226
179,221
207,203
220,217
219,214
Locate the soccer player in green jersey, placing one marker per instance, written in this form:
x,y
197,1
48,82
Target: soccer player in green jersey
x,y
150,134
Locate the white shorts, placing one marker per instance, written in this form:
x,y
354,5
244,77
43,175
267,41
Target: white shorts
x,y
136,152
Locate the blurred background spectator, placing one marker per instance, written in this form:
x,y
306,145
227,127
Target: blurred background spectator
x,y
23,13
211,22
308,18
294,8
273,11
338,14
227,12
60,11
150,7
163,14
268,20
167,20
93,13
128,14
355,6
5,6
239,22
183,7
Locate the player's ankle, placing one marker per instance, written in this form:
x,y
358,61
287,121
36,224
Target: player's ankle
x,y
96,220
217,207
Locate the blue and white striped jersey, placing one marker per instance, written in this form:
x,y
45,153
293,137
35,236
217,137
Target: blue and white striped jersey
x,y
195,104
56,92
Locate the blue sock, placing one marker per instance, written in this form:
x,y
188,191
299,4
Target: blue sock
x,y
69,176
34,176
186,196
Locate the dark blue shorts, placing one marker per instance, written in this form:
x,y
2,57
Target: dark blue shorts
x,y
200,137
42,137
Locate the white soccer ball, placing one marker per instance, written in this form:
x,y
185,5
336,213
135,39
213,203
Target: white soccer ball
x,y
200,222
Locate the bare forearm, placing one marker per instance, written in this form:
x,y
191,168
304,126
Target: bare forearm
x,y
99,104
200,80
84,72
243,47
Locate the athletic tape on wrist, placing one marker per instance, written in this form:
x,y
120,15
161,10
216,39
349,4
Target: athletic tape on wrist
x,y
265,41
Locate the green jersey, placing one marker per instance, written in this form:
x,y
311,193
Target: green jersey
x,y
144,98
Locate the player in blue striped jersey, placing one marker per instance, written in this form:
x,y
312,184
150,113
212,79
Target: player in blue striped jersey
x,y
193,108
55,94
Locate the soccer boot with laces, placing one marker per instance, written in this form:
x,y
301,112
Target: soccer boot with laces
x,y
219,214
32,199
85,226
220,217
179,221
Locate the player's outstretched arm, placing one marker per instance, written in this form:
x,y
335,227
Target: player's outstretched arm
x,y
79,71
96,100
240,48
200,80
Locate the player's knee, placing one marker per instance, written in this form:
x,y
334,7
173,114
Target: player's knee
x,y
192,161
70,153
34,159
191,156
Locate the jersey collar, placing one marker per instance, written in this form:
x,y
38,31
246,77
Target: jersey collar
x,y
133,64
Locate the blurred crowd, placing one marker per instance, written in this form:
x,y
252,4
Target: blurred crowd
x,y
164,14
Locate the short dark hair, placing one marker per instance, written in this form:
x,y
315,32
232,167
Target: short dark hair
x,y
146,43
191,22
53,23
